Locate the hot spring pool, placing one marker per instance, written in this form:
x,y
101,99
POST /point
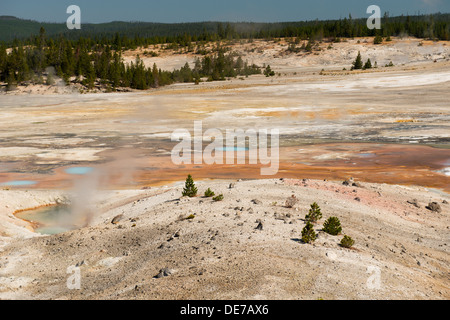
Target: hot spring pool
x,y
79,170
50,220
18,183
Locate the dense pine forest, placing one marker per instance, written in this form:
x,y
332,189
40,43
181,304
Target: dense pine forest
x,y
93,55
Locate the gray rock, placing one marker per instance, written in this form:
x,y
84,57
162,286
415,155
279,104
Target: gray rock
x,y
117,219
434,206
164,273
414,202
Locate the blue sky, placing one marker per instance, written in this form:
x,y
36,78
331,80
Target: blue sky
x,y
97,11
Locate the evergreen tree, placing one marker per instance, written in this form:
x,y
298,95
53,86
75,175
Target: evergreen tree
x,y
3,62
368,65
347,242
358,64
308,233
314,214
332,226
10,80
155,73
209,193
268,72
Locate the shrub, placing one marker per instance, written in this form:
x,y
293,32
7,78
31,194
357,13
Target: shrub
x,y
347,242
190,190
308,233
291,201
332,226
218,198
314,213
209,193
378,40
268,72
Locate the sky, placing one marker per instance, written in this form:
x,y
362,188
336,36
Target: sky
x,y
171,11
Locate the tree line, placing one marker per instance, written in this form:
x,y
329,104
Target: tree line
x,y
90,63
97,58
130,35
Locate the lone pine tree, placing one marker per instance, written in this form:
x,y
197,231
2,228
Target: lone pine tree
x,y
358,64
190,190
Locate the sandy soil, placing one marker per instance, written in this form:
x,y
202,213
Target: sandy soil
x,y
388,128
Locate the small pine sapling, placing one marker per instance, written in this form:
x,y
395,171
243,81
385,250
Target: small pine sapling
x,y
332,226
314,214
308,233
190,190
347,242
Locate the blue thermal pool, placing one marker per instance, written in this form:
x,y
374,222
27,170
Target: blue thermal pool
x,y
79,170
49,220
18,183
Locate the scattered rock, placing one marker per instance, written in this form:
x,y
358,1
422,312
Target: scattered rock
x,y
347,183
232,185
445,202
259,226
117,219
164,273
356,184
414,202
434,206
358,199
256,201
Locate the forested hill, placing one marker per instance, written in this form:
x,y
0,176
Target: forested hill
x,y
425,26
